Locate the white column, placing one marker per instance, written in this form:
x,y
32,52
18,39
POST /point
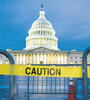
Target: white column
x,y
61,59
44,59
24,59
58,59
65,58
21,60
52,60
18,58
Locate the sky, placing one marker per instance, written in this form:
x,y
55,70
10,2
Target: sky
x,y
70,19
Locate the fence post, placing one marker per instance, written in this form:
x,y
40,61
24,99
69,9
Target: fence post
x,y
11,93
85,78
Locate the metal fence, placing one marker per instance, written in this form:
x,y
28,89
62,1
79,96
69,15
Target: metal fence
x,y
44,88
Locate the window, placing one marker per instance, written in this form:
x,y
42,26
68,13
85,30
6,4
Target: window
x,y
71,62
41,62
0,61
81,62
71,57
1,56
80,57
6,61
75,62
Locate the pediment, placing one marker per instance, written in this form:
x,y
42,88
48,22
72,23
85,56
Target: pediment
x,y
41,49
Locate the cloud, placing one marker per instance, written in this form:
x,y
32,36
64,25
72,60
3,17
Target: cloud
x,y
81,36
75,31
70,18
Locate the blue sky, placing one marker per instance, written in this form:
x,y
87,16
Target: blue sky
x,y
70,19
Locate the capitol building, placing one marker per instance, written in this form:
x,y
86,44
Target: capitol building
x,y
42,47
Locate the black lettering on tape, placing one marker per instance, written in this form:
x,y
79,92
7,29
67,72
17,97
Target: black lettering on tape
x,y
27,70
33,71
58,71
52,71
39,71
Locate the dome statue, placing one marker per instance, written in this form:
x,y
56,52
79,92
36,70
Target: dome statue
x,y
42,34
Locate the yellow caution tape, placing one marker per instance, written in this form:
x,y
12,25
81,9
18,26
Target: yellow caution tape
x,y
49,71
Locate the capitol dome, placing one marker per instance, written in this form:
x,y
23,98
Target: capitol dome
x,y
42,23
42,34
